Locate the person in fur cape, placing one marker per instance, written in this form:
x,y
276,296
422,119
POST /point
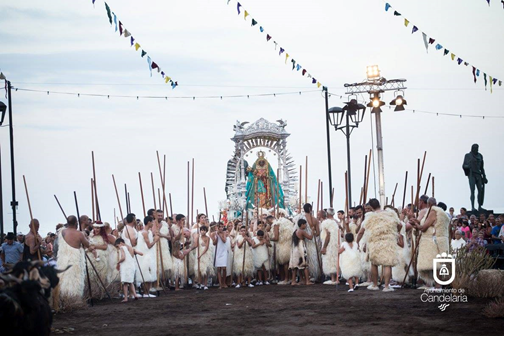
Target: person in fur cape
x,y
243,266
330,236
281,235
434,240
313,230
71,256
381,228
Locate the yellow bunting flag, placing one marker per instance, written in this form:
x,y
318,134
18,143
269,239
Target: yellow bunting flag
x,y
167,79
318,84
491,83
452,56
137,46
245,14
286,60
406,22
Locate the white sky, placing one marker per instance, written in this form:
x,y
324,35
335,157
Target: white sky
x,y
211,50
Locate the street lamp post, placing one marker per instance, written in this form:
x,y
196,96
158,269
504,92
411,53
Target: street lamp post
x,y
354,113
374,86
14,203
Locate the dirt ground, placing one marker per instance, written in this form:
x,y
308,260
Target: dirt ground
x,y
280,310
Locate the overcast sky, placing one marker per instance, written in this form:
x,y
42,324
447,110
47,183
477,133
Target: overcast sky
x,y
210,50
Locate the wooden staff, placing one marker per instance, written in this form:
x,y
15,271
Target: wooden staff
x,y
306,176
85,261
361,197
142,195
205,200
412,198
126,227
322,200
318,193
98,215
92,200
300,193
165,208
405,189
192,188
419,177
86,255
159,199
278,194
154,193
365,194
32,229
187,218
427,184
162,179
243,258
361,201
171,211
126,199
60,206
393,197
433,186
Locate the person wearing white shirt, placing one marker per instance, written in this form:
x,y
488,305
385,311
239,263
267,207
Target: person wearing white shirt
x,y
459,242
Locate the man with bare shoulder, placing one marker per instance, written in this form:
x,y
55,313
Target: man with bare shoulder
x,y
71,244
33,241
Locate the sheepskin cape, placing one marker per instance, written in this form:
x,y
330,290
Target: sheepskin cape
x,y
382,237
430,247
238,261
329,259
283,245
350,261
71,281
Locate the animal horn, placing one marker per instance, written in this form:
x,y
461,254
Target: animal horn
x,y
62,270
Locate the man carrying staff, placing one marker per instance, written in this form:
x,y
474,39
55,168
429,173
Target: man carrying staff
x,y
71,244
33,241
313,230
381,232
162,247
281,235
434,240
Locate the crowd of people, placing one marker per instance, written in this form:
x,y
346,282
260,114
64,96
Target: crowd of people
x,y
369,246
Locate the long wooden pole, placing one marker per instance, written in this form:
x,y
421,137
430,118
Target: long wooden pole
x,y
162,179
85,261
433,186
318,194
142,195
300,193
93,216
362,200
322,195
405,189
393,197
427,184
365,194
55,197
205,200
171,211
192,188
306,177
154,193
98,214
31,217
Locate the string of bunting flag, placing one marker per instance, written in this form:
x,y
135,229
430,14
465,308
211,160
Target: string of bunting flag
x,y
79,94
295,64
430,40
123,31
502,3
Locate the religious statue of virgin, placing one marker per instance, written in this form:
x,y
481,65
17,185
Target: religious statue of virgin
x,y
263,189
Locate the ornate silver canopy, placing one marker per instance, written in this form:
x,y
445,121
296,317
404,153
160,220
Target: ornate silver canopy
x,y
261,133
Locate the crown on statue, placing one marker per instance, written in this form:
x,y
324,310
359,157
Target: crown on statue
x,y
261,154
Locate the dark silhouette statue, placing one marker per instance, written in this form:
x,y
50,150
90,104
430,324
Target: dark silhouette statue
x,y
473,165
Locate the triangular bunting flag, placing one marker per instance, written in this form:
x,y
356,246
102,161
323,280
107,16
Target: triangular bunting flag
x,y
238,7
275,43
495,80
491,84
431,40
286,59
499,83
245,14
314,81
396,13
293,61
474,77
406,22
425,41
137,46
131,41
253,22
268,37
298,67
387,6
459,61
167,79
452,56
478,72
163,73
115,20
465,63
446,51
303,72
154,65
438,46
126,33
414,29
149,63
120,28
174,84
309,75
143,53
318,84
485,81
261,29
107,8
280,50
